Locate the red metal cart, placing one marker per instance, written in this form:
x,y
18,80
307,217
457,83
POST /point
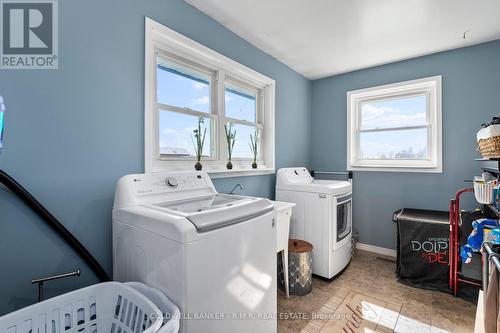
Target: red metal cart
x,y
458,275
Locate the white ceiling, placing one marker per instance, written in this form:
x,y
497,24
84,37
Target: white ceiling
x,y
320,38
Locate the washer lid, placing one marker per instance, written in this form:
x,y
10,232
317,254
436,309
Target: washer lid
x,y
320,186
218,210
201,204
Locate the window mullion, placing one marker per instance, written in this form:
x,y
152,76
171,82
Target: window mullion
x,y
260,116
189,111
430,112
155,115
357,128
221,111
386,129
244,122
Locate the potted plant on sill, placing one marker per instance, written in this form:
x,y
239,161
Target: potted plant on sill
x,y
254,146
230,139
199,142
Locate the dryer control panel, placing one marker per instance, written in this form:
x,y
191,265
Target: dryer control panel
x,y
293,176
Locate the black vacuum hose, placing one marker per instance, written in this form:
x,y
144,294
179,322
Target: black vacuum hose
x,y
45,215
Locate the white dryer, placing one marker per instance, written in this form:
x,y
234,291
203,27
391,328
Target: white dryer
x,y
322,217
214,255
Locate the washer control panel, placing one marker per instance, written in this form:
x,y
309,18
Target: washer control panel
x,y
171,182
162,187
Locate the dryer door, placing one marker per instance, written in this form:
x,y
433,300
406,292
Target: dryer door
x,y
344,217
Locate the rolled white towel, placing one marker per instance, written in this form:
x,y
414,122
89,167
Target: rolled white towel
x,y
488,132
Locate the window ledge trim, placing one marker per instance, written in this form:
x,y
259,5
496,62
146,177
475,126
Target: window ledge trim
x,y
433,169
240,172
237,172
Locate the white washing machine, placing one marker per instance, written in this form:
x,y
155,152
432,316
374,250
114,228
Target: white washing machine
x,y
214,255
322,217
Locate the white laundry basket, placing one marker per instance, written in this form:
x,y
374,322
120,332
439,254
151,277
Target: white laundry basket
x,y
483,192
109,307
170,311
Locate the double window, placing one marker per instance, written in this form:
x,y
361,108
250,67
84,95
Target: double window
x,y
189,86
395,127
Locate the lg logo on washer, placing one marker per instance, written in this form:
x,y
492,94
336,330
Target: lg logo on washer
x,y
29,34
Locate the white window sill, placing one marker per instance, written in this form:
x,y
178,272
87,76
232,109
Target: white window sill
x,y
215,172
396,169
239,172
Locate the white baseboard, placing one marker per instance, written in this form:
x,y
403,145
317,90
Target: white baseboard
x,y
376,249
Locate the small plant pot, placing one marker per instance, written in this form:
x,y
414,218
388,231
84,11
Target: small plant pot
x,y
198,166
229,165
254,165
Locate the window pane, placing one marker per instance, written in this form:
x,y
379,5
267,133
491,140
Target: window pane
x,y
240,103
176,135
393,145
182,87
395,112
242,143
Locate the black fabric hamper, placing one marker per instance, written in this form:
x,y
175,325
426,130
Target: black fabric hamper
x,y
423,248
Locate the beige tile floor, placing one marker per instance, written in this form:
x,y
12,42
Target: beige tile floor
x,y
370,280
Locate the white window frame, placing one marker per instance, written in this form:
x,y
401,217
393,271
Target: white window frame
x,y
259,120
212,115
172,45
430,86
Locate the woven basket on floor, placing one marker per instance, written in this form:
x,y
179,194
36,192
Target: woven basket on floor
x,y
490,148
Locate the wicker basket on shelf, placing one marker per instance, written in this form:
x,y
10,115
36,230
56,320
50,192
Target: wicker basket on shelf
x,y
490,148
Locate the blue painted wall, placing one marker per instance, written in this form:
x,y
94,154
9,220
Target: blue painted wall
x,y
471,86
72,132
